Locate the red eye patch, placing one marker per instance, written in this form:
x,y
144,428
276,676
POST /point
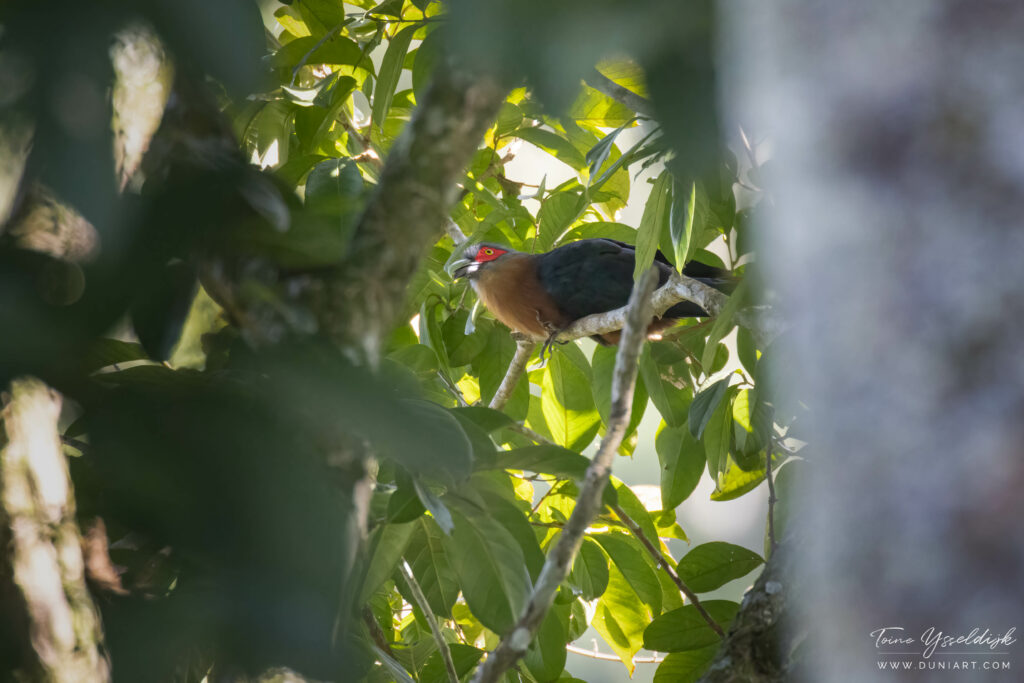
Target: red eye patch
x,y
486,254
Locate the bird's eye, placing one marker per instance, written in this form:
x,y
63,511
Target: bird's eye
x,y
488,252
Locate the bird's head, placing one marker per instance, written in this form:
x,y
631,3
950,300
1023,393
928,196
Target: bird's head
x,y
474,258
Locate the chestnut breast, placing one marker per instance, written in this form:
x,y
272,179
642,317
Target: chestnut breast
x,y
511,291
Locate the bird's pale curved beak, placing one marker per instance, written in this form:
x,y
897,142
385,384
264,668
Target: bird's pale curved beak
x,y
460,267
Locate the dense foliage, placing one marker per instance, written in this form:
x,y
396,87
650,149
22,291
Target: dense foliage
x,y
210,445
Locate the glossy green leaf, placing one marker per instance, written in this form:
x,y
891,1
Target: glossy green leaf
x,y
684,629
609,230
568,403
589,573
632,506
687,219
335,50
545,658
491,569
685,667
620,618
434,505
546,459
717,436
486,418
556,214
723,323
387,543
681,459
628,555
733,481
464,657
671,401
603,369
431,567
387,78
704,405
555,145
712,565
655,218
428,56
599,153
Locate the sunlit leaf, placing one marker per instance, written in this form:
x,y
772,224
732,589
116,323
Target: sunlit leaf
x,y
685,629
712,565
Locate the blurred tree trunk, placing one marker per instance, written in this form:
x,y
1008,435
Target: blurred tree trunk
x,y
46,606
896,241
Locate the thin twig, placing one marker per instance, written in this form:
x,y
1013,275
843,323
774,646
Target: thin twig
x,y
598,81
663,563
524,347
771,495
376,633
428,614
594,654
528,433
588,504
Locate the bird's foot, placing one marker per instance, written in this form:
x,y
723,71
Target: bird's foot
x,y
550,342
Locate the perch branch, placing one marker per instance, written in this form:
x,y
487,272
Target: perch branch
x,y
588,504
428,614
598,81
762,325
524,347
37,508
660,559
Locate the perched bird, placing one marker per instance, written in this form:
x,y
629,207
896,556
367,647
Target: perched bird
x,y
541,294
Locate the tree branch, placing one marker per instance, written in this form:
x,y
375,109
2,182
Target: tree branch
x,y
428,614
761,323
361,298
588,503
598,81
37,508
524,347
660,559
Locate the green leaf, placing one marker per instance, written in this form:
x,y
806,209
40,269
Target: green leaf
x,y
589,573
615,231
684,629
429,562
656,215
336,50
434,505
603,369
404,504
712,565
628,555
598,154
387,543
545,658
555,145
510,117
746,349
718,435
632,506
682,461
486,418
568,403
620,618
723,323
105,352
556,214
335,187
428,55
491,569
598,109
555,460
464,657
671,401
704,405
687,218
733,481
515,521
685,667
387,78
